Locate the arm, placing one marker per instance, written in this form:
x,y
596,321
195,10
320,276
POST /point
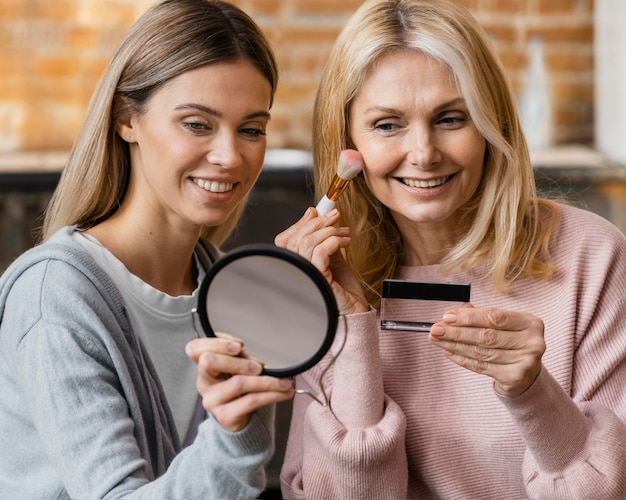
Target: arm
x,y
354,448
575,449
576,436
572,420
98,414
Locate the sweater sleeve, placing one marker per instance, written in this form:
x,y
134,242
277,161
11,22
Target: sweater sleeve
x,y
219,464
576,436
574,450
82,430
354,448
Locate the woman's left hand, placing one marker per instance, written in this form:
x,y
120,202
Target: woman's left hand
x,y
505,345
230,382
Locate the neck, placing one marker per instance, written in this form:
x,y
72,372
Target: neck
x,y
425,245
161,258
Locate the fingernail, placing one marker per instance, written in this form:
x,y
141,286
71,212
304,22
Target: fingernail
x,y
307,212
233,347
285,383
254,368
332,213
437,331
450,318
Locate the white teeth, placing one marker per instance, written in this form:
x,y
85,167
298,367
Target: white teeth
x,y
214,187
425,184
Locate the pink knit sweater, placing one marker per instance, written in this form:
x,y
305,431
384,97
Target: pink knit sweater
x,y
405,422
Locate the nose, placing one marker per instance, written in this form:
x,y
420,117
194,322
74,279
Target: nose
x,y
224,150
423,151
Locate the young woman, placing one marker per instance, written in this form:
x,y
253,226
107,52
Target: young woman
x,y
99,378
520,393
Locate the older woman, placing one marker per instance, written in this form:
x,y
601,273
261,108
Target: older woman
x,y
519,393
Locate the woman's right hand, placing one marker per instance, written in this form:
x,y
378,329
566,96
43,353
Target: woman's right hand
x,y
230,383
318,240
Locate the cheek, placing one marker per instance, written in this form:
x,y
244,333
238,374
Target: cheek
x,y
376,182
254,160
473,154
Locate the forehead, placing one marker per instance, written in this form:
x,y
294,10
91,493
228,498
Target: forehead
x,y
239,79
410,65
406,74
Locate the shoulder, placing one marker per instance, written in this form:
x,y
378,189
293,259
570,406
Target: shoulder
x,y
588,243
59,276
59,255
578,226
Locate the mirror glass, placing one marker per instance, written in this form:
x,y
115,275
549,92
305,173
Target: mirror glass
x,y
275,301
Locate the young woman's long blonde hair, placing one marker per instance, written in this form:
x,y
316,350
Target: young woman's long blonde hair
x,y
170,38
507,234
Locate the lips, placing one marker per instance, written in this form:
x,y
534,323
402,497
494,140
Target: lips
x,y
430,183
214,186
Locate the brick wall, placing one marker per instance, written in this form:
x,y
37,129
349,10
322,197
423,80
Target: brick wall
x,y
53,51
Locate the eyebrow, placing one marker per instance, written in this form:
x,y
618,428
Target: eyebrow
x,y
452,102
218,114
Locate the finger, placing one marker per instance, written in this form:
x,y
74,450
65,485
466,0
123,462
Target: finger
x,y
454,339
240,385
243,353
283,238
196,347
298,236
235,415
508,374
510,379
212,366
309,222
499,319
325,249
246,355
481,353
309,238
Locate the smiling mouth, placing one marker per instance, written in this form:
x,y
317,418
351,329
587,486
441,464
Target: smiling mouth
x,y
426,184
213,186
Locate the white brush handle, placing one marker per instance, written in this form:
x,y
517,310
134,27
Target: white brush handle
x,y
324,206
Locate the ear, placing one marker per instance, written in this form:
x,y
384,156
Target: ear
x,y
126,129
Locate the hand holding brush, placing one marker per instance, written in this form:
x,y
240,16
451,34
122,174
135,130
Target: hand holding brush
x,y
348,167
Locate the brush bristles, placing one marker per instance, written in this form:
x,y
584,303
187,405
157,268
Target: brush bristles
x,y
350,164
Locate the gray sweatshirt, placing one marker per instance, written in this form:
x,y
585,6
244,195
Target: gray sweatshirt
x,y
82,412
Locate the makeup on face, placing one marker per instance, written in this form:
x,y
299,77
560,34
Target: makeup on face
x,y
424,156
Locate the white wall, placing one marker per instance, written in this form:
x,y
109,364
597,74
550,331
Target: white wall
x,y
610,78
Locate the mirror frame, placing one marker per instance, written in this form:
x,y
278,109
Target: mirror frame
x,y
293,259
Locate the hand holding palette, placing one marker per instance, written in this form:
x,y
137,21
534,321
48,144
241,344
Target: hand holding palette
x,y
415,306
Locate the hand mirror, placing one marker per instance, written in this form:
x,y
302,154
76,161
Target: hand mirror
x,y
275,301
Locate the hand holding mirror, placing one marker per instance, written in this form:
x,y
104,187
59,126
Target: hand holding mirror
x,y
275,301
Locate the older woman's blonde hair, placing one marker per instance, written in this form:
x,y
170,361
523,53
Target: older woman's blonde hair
x,y
170,38
508,233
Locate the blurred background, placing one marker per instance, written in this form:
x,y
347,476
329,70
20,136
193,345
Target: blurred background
x,y
54,51
566,60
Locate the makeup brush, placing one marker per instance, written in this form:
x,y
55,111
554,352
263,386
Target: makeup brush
x,y
348,167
